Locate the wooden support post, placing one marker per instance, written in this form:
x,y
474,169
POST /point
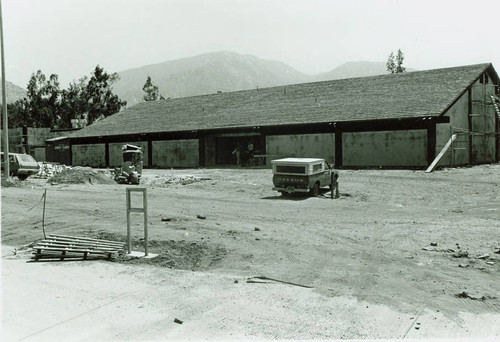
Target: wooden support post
x,y
43,214
129,237
441,154
143,210
145,207
331,185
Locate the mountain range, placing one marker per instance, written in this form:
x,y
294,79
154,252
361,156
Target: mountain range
x,y
217,71
12,92
225,71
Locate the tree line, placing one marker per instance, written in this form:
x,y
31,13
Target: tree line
x,y
47,105
89,99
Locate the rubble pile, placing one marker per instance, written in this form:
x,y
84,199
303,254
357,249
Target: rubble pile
x,y
48,170
174,180
184,180
82,175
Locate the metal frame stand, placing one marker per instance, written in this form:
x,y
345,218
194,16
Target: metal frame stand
x,y
143,210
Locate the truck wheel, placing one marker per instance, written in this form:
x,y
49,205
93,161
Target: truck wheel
x,y
315,190
22,177
285,194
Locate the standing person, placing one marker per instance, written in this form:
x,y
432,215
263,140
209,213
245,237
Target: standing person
x,y
237,152
251,160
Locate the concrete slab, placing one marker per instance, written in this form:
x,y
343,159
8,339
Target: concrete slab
x,y
137,254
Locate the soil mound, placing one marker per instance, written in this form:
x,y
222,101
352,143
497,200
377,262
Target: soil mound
x,y
182,255
82,175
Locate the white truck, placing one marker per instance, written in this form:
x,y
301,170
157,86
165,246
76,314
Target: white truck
x,y
304,175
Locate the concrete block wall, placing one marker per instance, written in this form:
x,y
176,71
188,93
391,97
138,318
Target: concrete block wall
x,y
93,155
301,146
35,139
39,153
15,142
175,153
37,136
404,148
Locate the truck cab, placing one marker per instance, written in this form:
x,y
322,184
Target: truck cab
x,y
302,175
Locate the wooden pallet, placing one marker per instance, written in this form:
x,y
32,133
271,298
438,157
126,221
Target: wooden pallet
x,y
65,247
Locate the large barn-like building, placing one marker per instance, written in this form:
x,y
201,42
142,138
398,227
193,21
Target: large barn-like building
x,y
391,121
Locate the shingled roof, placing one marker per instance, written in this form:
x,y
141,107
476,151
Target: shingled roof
x,y
405,95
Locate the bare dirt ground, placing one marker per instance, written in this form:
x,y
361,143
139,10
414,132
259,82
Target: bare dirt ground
x,y
402,254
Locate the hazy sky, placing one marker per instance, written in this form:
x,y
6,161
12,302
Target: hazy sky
x,y
70,37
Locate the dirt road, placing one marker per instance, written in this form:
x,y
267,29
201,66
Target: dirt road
x,y
395,257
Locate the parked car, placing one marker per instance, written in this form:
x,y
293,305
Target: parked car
x,y
304,175
21,165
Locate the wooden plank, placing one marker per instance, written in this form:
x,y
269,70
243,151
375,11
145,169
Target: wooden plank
x,y
69,254
73,250
57,254
66,247
83,238
78,250
61,243
58,241
441,154
84,241
66,257
82,244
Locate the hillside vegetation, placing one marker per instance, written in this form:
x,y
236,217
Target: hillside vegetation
x,y
225,71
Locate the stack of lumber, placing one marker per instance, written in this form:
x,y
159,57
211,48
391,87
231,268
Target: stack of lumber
x,y
64,247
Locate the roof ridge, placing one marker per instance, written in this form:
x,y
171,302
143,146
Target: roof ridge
x,y
391,96
486,65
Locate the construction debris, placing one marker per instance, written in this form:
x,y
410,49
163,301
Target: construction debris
x,y
64,247
175,180
82,175
48,170
434,249
465,294
461,254
267,280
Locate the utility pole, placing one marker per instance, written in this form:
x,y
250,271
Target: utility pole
x,y
4,105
